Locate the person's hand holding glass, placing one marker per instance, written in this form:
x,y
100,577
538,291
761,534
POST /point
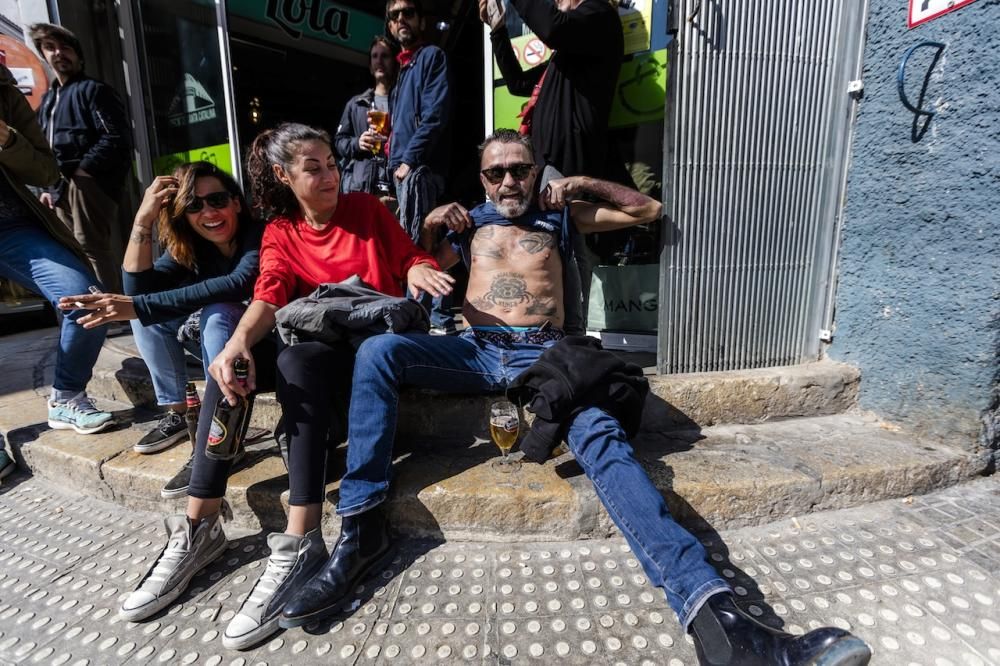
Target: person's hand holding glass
x,y
378,131
504,427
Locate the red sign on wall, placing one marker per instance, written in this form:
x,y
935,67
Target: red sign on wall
x,y
27,68
922,11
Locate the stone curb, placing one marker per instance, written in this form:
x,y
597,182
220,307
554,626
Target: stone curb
x,y
726,477
687,400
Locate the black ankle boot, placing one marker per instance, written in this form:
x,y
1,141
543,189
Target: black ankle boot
x,y
724,634
362,546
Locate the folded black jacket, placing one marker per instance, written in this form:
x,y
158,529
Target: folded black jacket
x,y
570,376
351,310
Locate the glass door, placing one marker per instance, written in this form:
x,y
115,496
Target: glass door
x,y
183,55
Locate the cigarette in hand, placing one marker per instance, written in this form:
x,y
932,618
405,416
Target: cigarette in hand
x,y
79,304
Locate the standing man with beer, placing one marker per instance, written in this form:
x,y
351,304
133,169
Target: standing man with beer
x,y
84,122
570,96
358,144
420,147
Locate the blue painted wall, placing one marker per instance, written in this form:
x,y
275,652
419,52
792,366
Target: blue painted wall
x,y
918,301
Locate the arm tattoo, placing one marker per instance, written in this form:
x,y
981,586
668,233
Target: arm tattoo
x,y
619,196
536,241
141,237
507,291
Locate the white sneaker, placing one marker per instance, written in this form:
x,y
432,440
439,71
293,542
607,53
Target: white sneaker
x,y
187,552
292,563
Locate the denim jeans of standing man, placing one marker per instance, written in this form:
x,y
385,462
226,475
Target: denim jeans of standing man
x,y
672,558
32,258
164,355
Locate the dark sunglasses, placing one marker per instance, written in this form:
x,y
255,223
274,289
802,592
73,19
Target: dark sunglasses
x,y
217,200
405,12
496,174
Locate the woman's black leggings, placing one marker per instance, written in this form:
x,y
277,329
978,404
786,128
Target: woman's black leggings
x,y
313,387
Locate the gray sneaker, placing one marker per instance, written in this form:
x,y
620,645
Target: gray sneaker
x,y
187,552
292,563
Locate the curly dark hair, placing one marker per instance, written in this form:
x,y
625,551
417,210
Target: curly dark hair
x,y
277,146
175,233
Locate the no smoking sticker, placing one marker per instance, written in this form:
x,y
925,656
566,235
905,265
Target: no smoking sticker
x,y
534,52
925,10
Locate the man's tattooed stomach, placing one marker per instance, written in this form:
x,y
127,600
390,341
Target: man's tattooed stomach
x,y
509,292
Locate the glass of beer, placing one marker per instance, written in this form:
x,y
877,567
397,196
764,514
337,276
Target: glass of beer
x,y
504,426
379,122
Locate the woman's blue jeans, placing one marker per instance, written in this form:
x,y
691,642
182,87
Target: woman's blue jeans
x,y
164,355
670,555
32,258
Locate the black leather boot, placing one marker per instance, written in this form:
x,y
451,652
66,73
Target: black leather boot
x,y
724,634
362,546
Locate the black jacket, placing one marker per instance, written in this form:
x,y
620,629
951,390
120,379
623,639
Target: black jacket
x,y
569,128
350,310
358,170
84,121
570,376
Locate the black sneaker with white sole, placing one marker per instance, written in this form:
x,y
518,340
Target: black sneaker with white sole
x,y
170,430
178,486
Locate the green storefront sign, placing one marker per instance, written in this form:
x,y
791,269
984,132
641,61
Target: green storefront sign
x,y
317,19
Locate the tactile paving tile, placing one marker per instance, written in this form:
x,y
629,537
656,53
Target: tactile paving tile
x,y
66,563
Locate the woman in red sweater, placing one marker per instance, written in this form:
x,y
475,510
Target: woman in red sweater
x,y
314,235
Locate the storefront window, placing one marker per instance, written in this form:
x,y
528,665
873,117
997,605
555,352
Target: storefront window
x,y
184,83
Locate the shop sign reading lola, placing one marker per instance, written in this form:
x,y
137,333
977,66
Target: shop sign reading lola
x,y
292,14
315,19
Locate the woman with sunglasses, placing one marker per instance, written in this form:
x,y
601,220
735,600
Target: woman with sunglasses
x,y
315,234
209,265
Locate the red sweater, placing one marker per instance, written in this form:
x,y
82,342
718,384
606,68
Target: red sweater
x,y
362,238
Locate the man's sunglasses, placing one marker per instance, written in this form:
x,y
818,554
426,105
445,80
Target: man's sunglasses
x,y
405,12
496,174
217,200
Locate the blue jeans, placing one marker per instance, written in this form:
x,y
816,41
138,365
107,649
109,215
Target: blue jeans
x,y
671,557
164,355
32,258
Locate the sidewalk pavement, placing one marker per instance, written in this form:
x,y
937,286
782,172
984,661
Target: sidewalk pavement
x,y
918,578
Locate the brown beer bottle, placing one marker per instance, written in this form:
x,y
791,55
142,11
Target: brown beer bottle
x,y
193,407
229,422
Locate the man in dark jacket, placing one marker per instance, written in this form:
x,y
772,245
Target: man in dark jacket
x,y
38,252
356,142
420,147
514,306
84,121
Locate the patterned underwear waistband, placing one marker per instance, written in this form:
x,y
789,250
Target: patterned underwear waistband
x,y
532,336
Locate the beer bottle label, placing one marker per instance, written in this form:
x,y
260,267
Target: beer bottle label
x,y
217,433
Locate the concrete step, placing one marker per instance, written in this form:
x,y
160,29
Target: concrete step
x,y
704,399
727,475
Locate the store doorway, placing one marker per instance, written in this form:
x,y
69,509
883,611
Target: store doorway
x,y
275,83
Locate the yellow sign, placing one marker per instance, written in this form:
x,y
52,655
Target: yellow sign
x,y
220,156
